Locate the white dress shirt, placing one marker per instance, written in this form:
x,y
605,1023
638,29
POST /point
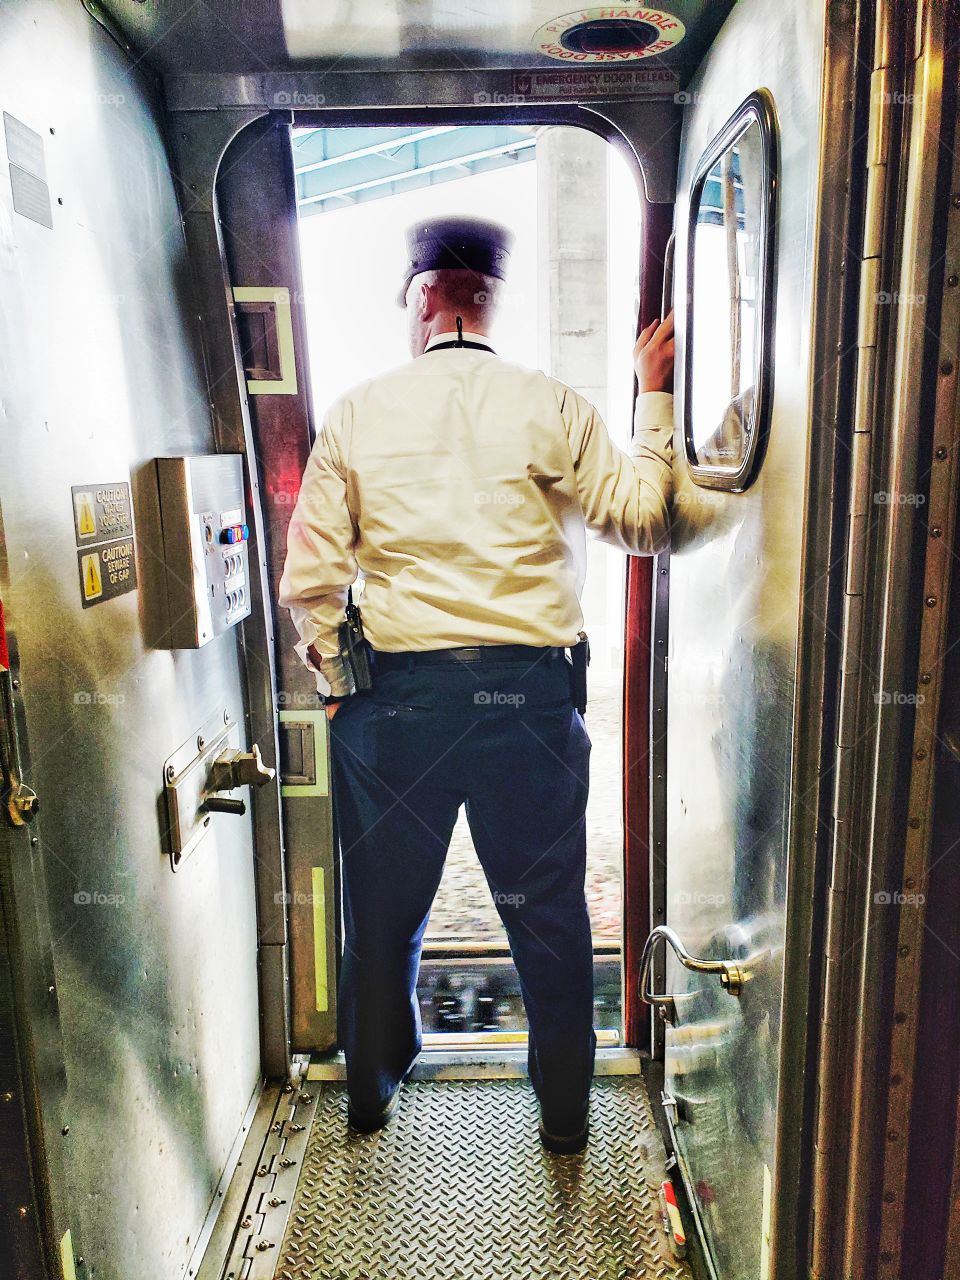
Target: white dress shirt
x,y
460,486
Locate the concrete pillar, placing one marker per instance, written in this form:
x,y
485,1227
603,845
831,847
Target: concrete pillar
x,y
572,211
572,191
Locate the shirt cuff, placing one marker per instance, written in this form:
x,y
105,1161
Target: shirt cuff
x,y
653,409
334,677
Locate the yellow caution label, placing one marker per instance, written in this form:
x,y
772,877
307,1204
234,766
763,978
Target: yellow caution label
x,y
86,520
766,1220
67,1263
320,939
92,581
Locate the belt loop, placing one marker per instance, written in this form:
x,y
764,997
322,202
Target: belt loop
x,y
411,662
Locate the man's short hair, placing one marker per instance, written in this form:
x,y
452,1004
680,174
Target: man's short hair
x,y
466,292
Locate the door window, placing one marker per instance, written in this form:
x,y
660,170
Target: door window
x,y
728,370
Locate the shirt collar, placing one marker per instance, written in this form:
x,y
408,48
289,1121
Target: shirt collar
x,y
451,336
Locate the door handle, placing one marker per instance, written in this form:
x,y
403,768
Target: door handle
x,y
730,973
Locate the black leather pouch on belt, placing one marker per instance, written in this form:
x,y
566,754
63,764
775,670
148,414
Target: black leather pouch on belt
x,y
579,661
353,647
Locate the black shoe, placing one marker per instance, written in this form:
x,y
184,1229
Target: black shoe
x,y
566,1144
371,1121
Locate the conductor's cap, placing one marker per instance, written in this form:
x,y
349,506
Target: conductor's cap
x,y
475,244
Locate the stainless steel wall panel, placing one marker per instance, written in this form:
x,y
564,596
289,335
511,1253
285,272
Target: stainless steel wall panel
x,y
100,371
735,613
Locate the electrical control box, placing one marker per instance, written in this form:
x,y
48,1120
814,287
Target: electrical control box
x,y
205,552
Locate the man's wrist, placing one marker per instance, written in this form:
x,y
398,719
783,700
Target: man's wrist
x,y
334,677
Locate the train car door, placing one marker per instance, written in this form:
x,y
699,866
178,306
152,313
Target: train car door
x,y
745,247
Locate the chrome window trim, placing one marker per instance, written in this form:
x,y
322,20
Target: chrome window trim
x,y
757,109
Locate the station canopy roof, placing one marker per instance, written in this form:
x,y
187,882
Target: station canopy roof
x,y
340,167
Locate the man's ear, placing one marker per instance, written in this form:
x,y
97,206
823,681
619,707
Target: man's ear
x,y
425,301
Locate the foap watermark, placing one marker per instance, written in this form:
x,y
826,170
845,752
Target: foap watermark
x,y
685,697
97,298
685,499
896,698
485,99
497,698
498,498
501,297
296,98
897,898
100,99
509,899
96,698
296,899
94,898
685,899
886,498
896,299
687,97
296,698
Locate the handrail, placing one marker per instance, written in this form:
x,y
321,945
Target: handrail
x,y
731,975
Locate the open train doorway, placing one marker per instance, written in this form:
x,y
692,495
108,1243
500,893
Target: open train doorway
x,y
569,308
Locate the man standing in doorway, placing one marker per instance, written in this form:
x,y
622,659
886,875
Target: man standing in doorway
x,y
461,486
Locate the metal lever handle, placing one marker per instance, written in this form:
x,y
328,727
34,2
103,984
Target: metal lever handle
x,y
223,804
731,975
235,769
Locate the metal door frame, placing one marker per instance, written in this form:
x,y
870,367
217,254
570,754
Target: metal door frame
x,y
207,114
256,203
866,1208
28,1036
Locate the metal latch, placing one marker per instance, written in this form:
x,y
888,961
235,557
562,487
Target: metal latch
x,y
196,776
235,769
20,801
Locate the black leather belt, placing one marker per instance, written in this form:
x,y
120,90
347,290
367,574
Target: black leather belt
x,y
484,653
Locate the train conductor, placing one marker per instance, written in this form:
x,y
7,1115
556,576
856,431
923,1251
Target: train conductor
x,y
460,486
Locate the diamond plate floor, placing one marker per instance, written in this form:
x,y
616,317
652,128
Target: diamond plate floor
x,y
459,1188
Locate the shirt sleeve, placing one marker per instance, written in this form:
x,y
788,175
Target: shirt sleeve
x,y
625,498
321,564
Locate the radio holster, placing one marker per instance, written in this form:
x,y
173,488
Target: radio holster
x,y
354,650
579,661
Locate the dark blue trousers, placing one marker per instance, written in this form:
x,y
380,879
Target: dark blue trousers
x,y
503,739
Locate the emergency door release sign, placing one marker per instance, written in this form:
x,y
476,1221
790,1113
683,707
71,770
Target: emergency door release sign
x,y
106,551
